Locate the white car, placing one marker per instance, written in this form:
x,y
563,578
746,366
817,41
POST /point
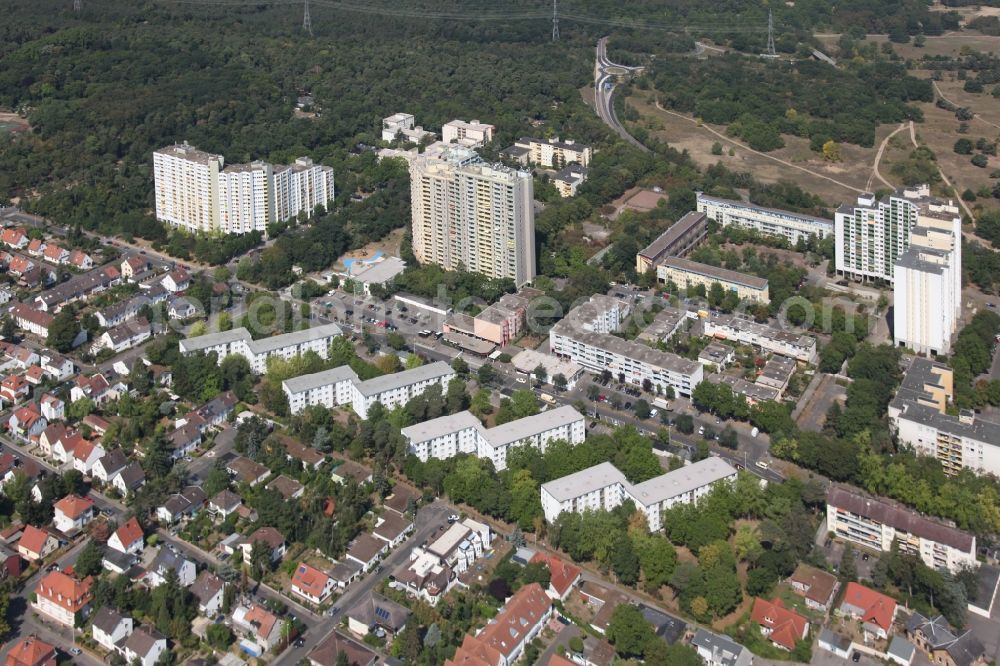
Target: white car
x,y
701,430
654,412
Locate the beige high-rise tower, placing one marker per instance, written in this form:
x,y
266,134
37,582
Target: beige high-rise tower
x,y
473,215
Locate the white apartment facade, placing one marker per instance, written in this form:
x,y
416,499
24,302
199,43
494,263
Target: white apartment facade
x,y
918,417
768,221
447,436
604,487
197,192
927,286
871,235
341,386
472,215
878,524
554,153
744,331
401,126
584,336
257,352
471,134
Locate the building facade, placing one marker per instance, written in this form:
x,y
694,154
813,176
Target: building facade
x,y
676,241
687,274
871,235
585,337
257,352
472,215
197,192
745,331
767,221
551,153
471,134
603,487
878,524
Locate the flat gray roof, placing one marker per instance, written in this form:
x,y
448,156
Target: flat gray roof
x,y
585,481
627,348
514,431
385,383
774,211
714,272
682,226
444,425
683,480
262,345
380,272
728,651
317,379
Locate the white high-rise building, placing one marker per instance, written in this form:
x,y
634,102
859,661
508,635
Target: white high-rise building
x,y
472,215
194,191
927,286
872,234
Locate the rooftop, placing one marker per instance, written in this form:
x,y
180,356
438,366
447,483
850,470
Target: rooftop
x,y
443,425
715,273
378,385
515,431
262,345
678,229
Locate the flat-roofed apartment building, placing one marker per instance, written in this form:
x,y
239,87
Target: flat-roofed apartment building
x,y
472,215
499,323
257,352
687,274
341,386
872,234
748,332
919,418
585,337
197,192
470,134
549,153
604,487
878,524
768,221
447,436
678,240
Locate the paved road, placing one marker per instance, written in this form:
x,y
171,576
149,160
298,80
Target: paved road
x,y
605,79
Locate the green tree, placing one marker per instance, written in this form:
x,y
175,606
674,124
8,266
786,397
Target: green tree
x,y
63,330
219,636
629,631
79,409
89,561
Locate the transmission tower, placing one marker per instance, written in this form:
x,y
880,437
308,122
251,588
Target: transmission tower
x,y
771,51
77,6
307,24
555,20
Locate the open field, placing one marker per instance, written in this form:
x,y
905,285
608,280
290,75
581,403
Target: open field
x,y
949,44
11,122
815,175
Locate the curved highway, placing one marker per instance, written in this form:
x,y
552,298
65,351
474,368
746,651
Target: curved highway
x,y
605,77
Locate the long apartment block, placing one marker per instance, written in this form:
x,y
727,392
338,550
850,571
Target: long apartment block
x,y
687,274
604,487
257,352
585,337
341,386
196,191
447,436
676,241
768,221
918,415
878,524
745,331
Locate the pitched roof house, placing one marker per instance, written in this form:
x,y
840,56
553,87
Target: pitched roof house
x,y
875,610
782,626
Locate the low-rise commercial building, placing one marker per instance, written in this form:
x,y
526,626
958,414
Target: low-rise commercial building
x,y
748,332
584,336
918,416
877,524
527,361
676,241
257,352
767,221
687,274
603,487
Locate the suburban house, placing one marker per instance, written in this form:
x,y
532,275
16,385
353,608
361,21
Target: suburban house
x,y
247,471
53,409
167,560
270,537
209,589
62,598
376,612
14,389
176,280
31,651
181,505
720,650
224,503
36,543
782,626
108,465
563,575
260,629
392,528
144,646
85,455
27,422
818,587
517,623
312,584
129,478
73,513
937,639
366,550
875,610
128,538
330,649
110,627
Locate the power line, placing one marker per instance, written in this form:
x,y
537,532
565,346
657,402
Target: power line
x,y
77,6
555,20
771,51
307,24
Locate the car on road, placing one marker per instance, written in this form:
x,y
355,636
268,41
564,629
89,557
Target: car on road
x,y
453,518
653,412
856,656
602,398
74,651
762,464
755,431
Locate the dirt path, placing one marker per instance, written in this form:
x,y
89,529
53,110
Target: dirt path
x,y
757,152
878,158
961,201
975,115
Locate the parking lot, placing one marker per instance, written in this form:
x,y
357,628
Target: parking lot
x,y
834,551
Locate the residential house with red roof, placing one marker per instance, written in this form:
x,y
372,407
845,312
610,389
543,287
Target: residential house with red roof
x,y
80,259
14,389
15,238
258,625
53,408
818,587
35,247
73,513
34,375
63,598
55,254
19,265
27,422
875,610
31,651
36,543
85,455
782,626
563,575
312,584
134,265
176,280
128,538
62,450
50,436
503,640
